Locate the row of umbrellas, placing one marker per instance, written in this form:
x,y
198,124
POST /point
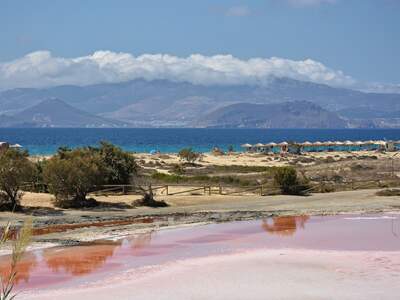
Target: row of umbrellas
x,y
318,143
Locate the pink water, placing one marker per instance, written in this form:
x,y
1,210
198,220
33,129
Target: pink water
x,y
345,236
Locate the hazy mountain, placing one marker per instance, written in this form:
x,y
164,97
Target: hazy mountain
x,y
144,103
56,113
300,114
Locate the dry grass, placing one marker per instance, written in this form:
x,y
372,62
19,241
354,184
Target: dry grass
x,y
19,246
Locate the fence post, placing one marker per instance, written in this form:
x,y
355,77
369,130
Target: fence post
x,y
166,188
220,189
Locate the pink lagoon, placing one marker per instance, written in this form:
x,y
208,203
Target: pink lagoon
x,y
320,257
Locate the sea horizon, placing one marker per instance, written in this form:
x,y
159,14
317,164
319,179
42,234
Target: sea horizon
x,y
46,141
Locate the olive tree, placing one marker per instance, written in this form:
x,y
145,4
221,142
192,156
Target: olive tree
x,y
72,175
15,170
119,165
288,181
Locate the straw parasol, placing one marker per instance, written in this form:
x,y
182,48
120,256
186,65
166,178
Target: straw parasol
x,y
16,146
246,146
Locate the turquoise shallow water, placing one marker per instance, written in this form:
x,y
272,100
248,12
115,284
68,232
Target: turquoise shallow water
x,y
47,140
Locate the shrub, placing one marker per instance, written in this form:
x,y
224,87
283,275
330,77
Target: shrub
x,y
15,170
189,155
148,200
389,192
119,166
178,169
72,175
287,180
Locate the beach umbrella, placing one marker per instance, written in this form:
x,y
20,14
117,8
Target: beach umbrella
x,y
317,143
246,146
259,145
338,143
359,143
283,144
272,144
16,146
307,143
348,143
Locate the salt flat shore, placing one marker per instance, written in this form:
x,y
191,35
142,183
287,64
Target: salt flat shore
x,y
69,227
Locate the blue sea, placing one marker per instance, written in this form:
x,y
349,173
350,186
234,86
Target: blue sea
x,y
47,140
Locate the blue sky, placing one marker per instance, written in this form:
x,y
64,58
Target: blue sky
x,y
359,37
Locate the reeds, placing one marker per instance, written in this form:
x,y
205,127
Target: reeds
x,y
19,246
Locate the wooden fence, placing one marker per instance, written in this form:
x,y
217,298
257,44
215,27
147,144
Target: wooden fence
x,y
207,189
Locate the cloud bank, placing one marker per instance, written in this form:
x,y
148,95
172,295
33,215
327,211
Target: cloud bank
x,y
42,69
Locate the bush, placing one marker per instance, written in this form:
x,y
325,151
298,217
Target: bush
x,y
15,170
178,169
72,175
119,165
189,155
287,180
389,192
148,200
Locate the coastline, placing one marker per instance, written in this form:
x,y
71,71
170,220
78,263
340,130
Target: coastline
x,y
72,227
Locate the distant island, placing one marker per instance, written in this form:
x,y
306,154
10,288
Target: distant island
x,y
283,103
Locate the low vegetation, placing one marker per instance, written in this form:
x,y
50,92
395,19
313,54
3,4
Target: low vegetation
x,y
287,180
72,174
174,178
188,155
388,192
15,170
19,246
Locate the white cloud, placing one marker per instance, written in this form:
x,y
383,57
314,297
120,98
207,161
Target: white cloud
x,y
238,11
310,2
41,69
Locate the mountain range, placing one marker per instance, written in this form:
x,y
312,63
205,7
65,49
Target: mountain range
x,y
283,103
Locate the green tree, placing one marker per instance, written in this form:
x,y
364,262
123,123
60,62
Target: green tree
x,y
189,155
15,170
287,180
119,166
72,175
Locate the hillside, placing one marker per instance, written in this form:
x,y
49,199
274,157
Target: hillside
x,y
162,103
56,113
300,114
